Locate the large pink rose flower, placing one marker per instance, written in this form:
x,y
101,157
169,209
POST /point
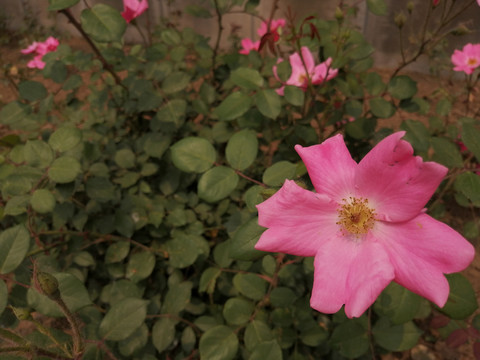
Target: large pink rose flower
x,y
365,225
40,49
133,9
468,59
302,73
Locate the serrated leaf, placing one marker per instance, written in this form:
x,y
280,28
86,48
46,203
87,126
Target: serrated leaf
x,y
269,103
65,138
64,170
469,185
381,108
276,174
14,244
237,310
471,139
38,153
247,78
123,318
175,82
446,152
177,298
242,148
217,183
244,240
351,339
398,304
193,154
42,201
32,90
396,337
103,23
462,301
250,285
163,333
140,266
218,343
233,106
417,134
402,87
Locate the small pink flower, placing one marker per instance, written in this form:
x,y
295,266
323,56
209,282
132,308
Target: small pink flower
x,y
365,225
468,59
248,45
133,9
275,28
302,73
40,49
436,2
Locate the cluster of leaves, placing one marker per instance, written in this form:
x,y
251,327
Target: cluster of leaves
x,y
139,198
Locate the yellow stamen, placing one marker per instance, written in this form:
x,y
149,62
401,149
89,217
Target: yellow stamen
x,y
472,61
355,216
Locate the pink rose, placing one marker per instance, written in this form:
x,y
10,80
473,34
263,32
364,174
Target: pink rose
x,y
133,9
468,59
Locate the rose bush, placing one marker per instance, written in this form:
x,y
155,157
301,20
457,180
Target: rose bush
x,y
129,196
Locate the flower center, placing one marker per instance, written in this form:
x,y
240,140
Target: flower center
x,y
472,61
355,216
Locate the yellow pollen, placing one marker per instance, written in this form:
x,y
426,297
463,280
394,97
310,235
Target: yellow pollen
x,y
472,61
355,216
303,79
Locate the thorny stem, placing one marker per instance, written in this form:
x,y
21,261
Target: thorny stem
x,y
78,345
30,350
97,52
219,35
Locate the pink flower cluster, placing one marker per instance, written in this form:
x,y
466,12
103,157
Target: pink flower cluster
x,y
468,59
133,9
40,49
365,225
275,29
305,71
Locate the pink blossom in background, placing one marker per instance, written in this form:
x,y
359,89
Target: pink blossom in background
x,y
133,9
317,74
40,49
248,45
365,225
468,59
275,27
435,2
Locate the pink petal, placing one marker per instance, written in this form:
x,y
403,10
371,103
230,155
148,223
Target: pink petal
x,y
324,72
30,49
421,250
298,221
397,184
308,58
349,272
263,29
331,168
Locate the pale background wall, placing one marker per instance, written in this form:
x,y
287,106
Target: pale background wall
x,y
379,31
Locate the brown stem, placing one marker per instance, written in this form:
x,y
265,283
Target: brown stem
x,y
78,345
97,52
219,35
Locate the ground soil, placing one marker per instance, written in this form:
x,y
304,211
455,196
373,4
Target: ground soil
x,y
13,62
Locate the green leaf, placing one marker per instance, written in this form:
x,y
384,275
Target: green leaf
x,y
193,154
234,106
156,144
103,23
209,279
100,189
125,158
71,289
377,7
446,152
294,95
462,301
42,201
134,342
13,113
64,170
469,185
123,318
282,296
250,285
32,90
471,139
242,148
55,5
14,244
140,266
117,252
256,333
269,103
398,304
65,138
374,83
38,153
402,87
177,298
276,174
217,183
163,333
175,82
247,78
183,249
244,240
417,134
443,107
218,343
268,350
237,310
396,337
381,108
351,339
3,296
